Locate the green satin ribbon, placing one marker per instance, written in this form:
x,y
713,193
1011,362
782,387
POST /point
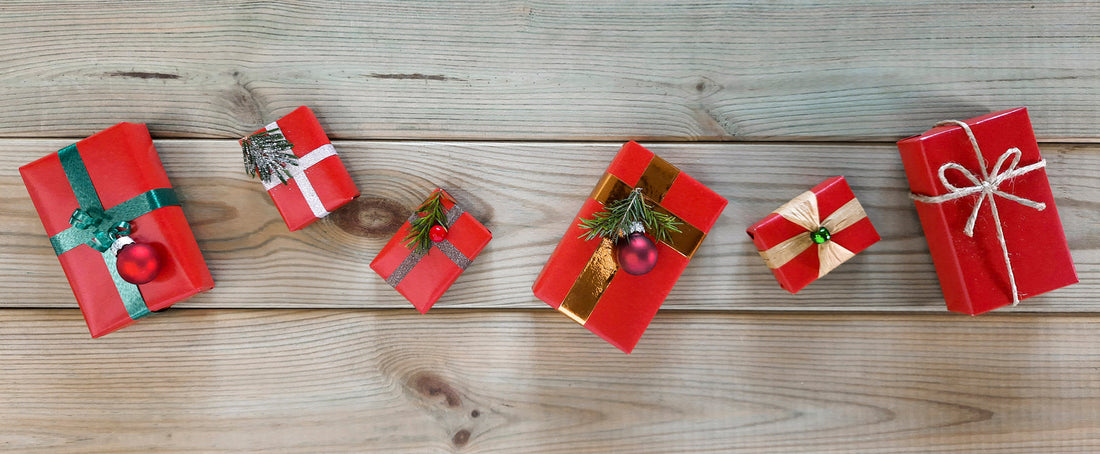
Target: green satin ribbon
x,y
99,228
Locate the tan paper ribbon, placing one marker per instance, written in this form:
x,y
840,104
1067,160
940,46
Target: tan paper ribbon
x,y
802,210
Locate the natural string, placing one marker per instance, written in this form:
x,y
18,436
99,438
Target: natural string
x,y
988,186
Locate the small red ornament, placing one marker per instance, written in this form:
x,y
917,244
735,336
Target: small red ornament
x,y
437,233
138,263
637,254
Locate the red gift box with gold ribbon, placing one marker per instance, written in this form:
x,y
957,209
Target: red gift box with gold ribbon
x,y
582,279
813,233
105,188
987,211
319,183
422,278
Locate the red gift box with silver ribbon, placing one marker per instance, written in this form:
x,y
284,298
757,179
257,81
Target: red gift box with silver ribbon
x,y
981,191
318,183
423,277
812,234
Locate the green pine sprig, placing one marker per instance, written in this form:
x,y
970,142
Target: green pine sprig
x,y
267,154
430,214
621,218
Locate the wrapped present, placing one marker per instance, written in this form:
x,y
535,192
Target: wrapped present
x,y
985,204
585,279
430,250
813,234
117,227
299,168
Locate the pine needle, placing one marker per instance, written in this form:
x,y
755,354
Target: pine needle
x,y
430,214
623,217
267,154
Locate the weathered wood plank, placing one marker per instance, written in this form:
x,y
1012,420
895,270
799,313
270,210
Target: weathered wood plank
x,y
478,381
549,70
527,194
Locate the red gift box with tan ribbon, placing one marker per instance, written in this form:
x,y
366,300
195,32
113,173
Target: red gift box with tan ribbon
x,y
582,278
981,191
97,197
317,183
423,277
813,233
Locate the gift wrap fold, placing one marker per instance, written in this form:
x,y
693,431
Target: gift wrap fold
x,y
581,278
981,191
831,213
423,278
319,183
105,186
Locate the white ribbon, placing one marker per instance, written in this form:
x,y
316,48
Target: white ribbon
x,y
298,174
987,186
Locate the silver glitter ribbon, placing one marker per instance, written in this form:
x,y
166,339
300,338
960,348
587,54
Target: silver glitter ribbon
x,y
298,174
444,246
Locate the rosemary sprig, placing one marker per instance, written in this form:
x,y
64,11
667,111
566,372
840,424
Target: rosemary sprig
x,y
621,218
267,154
431,213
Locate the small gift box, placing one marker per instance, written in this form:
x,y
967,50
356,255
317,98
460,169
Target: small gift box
x,y
585,279
299,168
430,251
985,204
116,226
813,233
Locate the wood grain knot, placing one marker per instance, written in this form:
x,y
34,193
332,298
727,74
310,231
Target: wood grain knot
x,y
461,438
430,385
371,217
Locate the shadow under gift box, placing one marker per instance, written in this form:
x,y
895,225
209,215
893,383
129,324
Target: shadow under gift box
x,y
121,163
580,278
972,270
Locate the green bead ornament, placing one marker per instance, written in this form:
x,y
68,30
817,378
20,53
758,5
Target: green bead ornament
x,y
820,236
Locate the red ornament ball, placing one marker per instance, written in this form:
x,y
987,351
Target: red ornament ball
x,y
437,233
637,254
138,263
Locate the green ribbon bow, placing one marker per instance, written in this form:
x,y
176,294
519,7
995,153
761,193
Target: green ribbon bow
x,y
99,228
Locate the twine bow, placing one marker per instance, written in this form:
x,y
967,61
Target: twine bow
x,y
803,210
987,187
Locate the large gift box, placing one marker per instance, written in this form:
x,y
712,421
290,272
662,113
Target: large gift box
x,y
102,189
812,234
423,276
988,214
318,182
582,278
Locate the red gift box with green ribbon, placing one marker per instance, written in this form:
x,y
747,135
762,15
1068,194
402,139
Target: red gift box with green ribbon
x,y
94,198
452,240
314,182
813,233
584,280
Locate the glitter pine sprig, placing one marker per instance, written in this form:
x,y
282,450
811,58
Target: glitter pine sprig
x,y
430,214
267,154
622,217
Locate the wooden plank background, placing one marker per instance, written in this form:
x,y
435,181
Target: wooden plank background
x,y
516,107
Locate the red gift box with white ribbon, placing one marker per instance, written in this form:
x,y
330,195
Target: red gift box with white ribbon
x,y
319,183
981,191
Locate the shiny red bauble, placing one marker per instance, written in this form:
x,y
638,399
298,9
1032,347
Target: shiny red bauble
x,y
138,263
637,254
437,233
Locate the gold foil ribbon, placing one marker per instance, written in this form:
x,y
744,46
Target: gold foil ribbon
x,y
802,210
597,274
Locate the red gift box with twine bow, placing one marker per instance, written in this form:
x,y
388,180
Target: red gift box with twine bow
x,y
981,192
582,279
106,187
422,278
812,234
319,183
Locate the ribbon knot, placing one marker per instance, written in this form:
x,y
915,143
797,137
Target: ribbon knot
x,y
104,229
987,186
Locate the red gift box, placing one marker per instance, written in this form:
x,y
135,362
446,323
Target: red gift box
x,y
813,234
423,278
994,175
581,280
319,183
104,179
